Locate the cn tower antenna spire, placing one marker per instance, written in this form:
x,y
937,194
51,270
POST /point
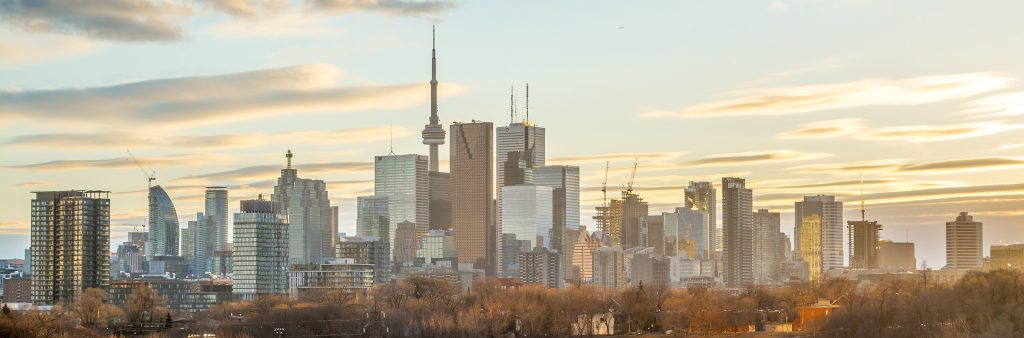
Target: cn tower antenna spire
x,y
433,132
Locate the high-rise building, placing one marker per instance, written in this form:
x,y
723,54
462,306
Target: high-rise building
x,y
163,223
541,266
654,234
808,245
205,236
403,179
566,177
440,201
217,216
633,212
527,222
188,244
70,238
1007,256
864,237
406,242
825,214
472,191
306,204
690,226
130,260
766,241
433,133
651,269
583,255
963,242
520,149
609,267
368,250
140,239
372,216
334,225
260,257
609,220
437,245
737,233
700,196
896,256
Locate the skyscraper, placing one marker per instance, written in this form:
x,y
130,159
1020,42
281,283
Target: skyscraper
x,y
583,255
433,133
372,216
541,266
405,244
766,242
527,222
163,223
609,267
864,243
520,149
70,238
737,233
633,212
306,204
217,213
188,244
472,189
440,201
567,202
700,196
691,226
368,250
963,242
828,212
260,257
403,179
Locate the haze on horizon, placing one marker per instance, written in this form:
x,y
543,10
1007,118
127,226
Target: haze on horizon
x,y
799,97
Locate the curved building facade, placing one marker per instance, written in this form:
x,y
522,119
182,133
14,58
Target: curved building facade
x,y
163,223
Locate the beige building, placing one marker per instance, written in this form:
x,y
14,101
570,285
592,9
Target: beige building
x,y
896,256
583,256
609,267
1008,256
472,192
963,242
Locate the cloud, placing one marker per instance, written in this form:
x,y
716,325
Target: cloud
x,y
283,25
580,159
122,140
249,9
210,99
32,184
933,133
109,163
114,20
14,228
1010,146
756,157
933,167
395,7
998,105
824,129
270,171
18,49
830,96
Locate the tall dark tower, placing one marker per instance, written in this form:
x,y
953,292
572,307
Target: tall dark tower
x,y
433,133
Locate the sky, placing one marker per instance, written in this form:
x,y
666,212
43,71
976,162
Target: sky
x,y
923,99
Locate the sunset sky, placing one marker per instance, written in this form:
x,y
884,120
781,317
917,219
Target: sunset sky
x,y
925,99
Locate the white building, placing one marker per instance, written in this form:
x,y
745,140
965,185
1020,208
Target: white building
x,y
963,243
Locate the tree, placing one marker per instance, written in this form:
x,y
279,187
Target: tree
x,y
88,305
142,304
7,311
167,321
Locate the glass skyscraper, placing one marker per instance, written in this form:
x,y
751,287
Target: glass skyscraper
x,y
217,217
700,196
824,215
306,204
260,257
472,191
404,180
163,223
372,216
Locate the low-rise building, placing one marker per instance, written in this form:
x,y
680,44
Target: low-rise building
x,y
344,274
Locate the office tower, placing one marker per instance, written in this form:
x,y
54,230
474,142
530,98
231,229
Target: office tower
x,y
260,256
372,216
784,248
403,179
700,196
217,216
205,243
671,232
520,149
1007,256
609,267
567,178
583,255
306,204
334,225
963,242
433,133
651,269
690,226
440,201
188,244
368,250
436,245
27,269
766,241
173,266
896,256
140,239
737,233
308,281
825,216
70,241
472,191
654,233
632,215
541,266
406,241
163,223
527,222
130,260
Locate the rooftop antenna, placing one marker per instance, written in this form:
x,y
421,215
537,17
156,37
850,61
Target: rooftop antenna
x,y
288,156
527,104
862,212
392,151
512,105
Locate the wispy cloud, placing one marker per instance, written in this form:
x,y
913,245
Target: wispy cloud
x,y
831,96
210,99
755,157
580,159
14,228
975,164
824,129
19,49
933,133
270,171
249,9
117,162
998,105
32,184
115,20
396,7
122,139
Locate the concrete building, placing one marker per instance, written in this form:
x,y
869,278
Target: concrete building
x,y
583,256
188,244
173,266
827,214
406,243
70,238
307,205
130,261
864,236
178,295
404,180
653,233
1007,256
375,251
737,233
440,201
373,216
963,242
309,281
216,221
436,245
163,223
634,212
472,190
700,196
766,232
651,269
18,290
896,256
609,267
541,266
260,256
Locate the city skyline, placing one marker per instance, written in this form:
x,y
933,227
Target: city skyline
x,y
920,134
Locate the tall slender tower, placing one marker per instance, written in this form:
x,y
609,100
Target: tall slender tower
x,y
433,133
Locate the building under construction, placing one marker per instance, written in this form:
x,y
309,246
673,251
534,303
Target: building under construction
x,y
863,237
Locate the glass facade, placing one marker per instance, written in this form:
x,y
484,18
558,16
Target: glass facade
x,y
306,204
309,280
368,250
163,223
436,245
372,216
472,192
217,216
404,180
700,196
260,257
830,214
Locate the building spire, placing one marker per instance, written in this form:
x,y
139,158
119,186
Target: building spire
x,y
433,75
392,137
288,156
527,103
862,212
433,132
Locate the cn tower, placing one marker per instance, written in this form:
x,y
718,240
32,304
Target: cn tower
x,y
433,133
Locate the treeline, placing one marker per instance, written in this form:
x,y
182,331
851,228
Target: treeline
x,y
982,304
90,315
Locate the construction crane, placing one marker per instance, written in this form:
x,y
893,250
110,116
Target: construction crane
x,y
150,176
632,176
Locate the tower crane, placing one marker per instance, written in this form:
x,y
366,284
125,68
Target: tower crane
x,y
632,177
150,176
604,185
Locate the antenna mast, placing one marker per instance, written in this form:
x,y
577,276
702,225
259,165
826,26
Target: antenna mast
x,y
862,212
512,105
527,104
